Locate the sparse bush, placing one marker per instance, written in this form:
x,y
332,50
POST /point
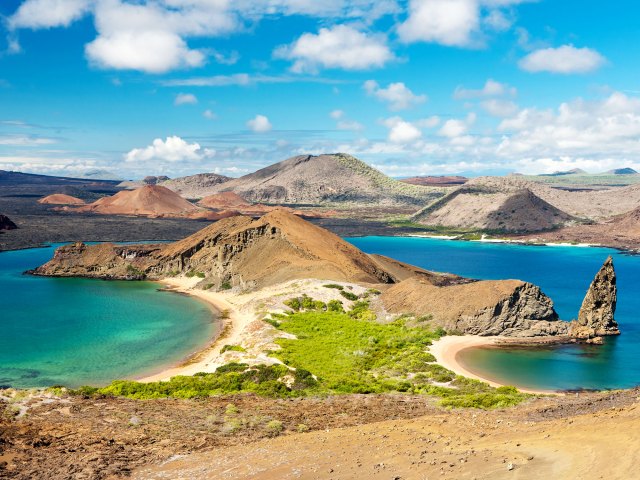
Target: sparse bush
x,y
302,428
274,428
349,295
335,306
334,285
225,286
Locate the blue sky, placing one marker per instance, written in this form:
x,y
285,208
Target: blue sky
x,y
412,87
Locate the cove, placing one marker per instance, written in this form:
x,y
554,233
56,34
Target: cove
x,y
563,273
73,331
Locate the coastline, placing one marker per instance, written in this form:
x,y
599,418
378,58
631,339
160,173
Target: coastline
x,y
209,358
446,352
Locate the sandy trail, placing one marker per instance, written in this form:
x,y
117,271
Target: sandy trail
x,y
446,351
450,446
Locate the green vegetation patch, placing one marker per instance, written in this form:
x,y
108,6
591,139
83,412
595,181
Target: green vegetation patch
x,y
333,352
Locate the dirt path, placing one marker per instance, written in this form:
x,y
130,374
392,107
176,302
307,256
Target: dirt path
x,y
465,446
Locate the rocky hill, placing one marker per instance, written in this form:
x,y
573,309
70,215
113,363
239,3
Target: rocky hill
x,y
490,203
60,199
150,200
243,253
324,179
195,186
622,171
6,223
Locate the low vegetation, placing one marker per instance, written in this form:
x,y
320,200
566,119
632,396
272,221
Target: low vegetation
x,y
334,352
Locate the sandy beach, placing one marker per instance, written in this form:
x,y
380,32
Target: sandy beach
x,y
446,351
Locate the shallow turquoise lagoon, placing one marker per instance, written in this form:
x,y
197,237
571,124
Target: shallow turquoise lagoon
x,y
67,331
564,273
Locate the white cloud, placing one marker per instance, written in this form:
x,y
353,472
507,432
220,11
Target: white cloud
x,y
397,95
499,107
565,59
173,149
350,125
25,140
608,128
185,99
490,89
340,46
449,22
49,13
401,131
209,115
453,128
337,114
259,124
150,52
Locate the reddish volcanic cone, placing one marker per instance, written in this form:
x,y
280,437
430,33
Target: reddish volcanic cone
x,y
60,199
224,200
151,200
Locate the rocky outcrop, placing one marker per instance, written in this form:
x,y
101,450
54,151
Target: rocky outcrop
x,y
507,307
61,199
596,317
6,223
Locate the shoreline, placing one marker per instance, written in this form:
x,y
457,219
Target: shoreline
x,y
208,358
446,352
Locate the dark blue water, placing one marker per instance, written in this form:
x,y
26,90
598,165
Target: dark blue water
x,y
563,273
71,331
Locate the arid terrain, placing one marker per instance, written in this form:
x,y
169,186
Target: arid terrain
x,y
348,437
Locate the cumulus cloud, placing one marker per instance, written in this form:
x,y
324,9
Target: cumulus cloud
x,y
566,59
209,115
499,107
341,46
173,149
37,14
577,129
449,22
337,114
259,124
454,128
490,89
185,99
401,131
397,95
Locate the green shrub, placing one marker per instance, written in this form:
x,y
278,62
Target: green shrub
x,y
274,428
193,273
335,306
349,295
334,285
232,348
225,286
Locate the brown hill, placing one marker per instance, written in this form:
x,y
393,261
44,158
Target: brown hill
x,y
193,186
324,179
224,200
493,204
620,231
251,254
6,223
438,181
60,199
150,200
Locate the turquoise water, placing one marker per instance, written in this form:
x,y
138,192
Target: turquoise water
x,y
68,331
563,273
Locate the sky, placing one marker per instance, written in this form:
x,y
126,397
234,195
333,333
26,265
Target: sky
x,y
417,87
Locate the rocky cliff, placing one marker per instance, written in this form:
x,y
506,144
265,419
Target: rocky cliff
x,y
508,307
596,317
